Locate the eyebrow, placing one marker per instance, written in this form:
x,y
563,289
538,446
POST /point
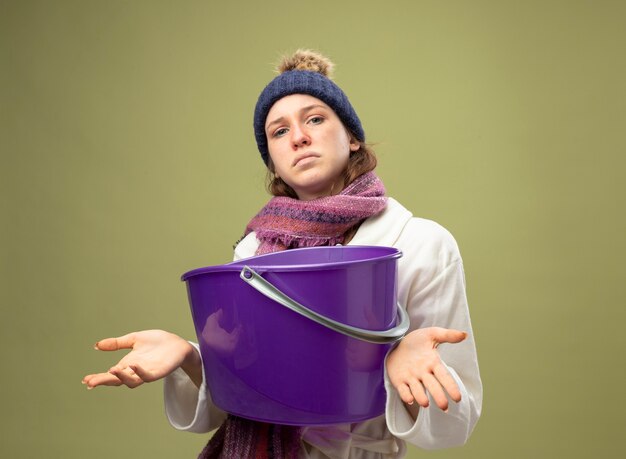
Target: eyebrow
x,y
302,110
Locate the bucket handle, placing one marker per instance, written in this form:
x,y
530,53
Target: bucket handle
x,y
373,336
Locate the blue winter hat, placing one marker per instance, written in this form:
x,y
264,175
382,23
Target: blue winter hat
x,y
308,82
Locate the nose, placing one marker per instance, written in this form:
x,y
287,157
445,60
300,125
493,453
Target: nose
x,y
299,137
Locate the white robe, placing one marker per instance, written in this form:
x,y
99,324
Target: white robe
x,y
431,285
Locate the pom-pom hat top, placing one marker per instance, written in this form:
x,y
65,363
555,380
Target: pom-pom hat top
x,y
311,82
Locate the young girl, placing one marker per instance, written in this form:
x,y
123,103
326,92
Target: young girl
x,y
325,193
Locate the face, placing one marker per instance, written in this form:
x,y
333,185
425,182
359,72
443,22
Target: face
x,y
309,145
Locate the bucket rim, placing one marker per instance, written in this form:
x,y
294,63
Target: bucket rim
x,y
392,253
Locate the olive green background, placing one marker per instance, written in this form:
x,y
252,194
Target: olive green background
x,y
128,158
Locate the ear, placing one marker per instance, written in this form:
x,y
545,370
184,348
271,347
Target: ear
x,y
354,145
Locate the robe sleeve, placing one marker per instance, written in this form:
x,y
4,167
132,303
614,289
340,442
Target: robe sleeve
x,y
434,293
187,407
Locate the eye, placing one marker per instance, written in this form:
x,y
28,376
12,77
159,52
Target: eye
x,y
316,119
279,132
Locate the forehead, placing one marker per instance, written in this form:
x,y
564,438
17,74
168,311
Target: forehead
x,y
292,104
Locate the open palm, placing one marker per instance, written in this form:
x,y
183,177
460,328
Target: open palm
x,y
154,354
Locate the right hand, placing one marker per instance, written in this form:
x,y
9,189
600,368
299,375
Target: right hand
x,y
154,354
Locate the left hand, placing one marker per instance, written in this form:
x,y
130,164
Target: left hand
x,y
415,367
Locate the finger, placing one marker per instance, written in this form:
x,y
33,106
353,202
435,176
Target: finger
x,y
417,389
101,379
114,344
436,391
448,383
448,335
145,375
405,394
127,376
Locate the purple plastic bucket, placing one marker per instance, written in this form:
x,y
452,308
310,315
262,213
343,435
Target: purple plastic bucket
x,y
299,336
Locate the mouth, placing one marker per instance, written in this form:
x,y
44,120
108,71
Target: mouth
x,y
303,157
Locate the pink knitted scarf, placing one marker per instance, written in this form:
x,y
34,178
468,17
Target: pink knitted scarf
x,y
286,223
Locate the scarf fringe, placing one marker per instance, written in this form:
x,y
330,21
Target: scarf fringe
x,y
275,239
239,438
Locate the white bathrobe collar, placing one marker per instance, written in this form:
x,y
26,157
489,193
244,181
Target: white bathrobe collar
x,y
384,228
